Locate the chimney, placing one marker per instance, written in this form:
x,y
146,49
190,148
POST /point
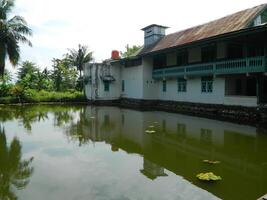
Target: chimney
x,y
153,33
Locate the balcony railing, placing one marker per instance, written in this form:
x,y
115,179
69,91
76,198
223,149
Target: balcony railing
x,y
237,66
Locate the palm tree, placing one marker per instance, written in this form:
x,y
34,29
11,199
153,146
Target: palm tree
x,y
12,31
14,172
80,57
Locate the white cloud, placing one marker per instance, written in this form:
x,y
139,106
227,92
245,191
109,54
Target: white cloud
x,y
105,25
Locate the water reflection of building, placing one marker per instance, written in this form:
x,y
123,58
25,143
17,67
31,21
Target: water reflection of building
x,y
182,142
152,170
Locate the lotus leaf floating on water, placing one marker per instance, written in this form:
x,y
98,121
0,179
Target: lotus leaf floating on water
x,y
208,177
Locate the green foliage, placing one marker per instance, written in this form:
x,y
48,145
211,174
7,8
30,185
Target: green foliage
x,y
17,91
12,31
5,84
35,85
31,77
45,96
64,78
130,51
34,96
27,68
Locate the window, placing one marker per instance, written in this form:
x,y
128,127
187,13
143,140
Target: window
x,y
206,84
181,84
208,53
122,85
164,85
159,61
235,50
182,58
106,86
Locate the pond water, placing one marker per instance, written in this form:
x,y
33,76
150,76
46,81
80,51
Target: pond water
x,y
83,152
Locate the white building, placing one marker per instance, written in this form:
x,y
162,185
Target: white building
x,y
220,62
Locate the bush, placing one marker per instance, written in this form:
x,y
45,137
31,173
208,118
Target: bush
x,y
33,96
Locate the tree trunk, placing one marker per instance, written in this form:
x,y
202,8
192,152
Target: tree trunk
x,y
2,58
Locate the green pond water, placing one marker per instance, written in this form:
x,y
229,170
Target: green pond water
x,y
82,152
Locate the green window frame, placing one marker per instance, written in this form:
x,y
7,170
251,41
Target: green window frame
x,y
123,85
207,84
181,84
164,85
106,86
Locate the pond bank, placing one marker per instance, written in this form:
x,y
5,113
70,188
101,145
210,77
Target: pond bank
x,y
255,116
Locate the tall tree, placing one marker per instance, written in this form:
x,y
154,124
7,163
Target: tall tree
x,y
12,31
27,67
130,50
80,57
28,75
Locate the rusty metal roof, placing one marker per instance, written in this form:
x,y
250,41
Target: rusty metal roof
x,y
231,23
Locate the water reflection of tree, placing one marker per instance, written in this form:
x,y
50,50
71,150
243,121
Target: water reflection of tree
x,y
28,115
88,129
81,130
62,117
14,172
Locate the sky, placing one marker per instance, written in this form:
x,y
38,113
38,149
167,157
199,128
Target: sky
x,y
105,25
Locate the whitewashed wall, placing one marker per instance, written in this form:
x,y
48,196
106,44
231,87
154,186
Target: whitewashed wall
x,y
193,93
133,79
114,87
150,86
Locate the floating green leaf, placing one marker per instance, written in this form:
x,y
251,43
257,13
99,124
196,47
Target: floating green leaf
x,y
209,176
